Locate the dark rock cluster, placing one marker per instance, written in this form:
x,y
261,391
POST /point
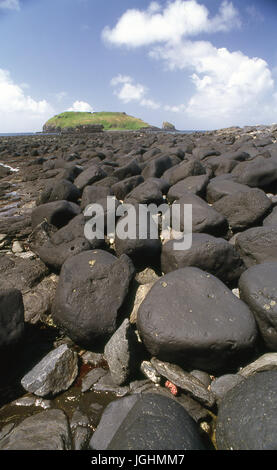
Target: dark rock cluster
x,y
116,344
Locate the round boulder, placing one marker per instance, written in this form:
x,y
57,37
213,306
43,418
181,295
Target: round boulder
x,y
214,255
244,209
258,288
91,290
257,245
190,317
247,417
147,422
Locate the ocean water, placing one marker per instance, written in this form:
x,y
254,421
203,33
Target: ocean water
x,y
17,134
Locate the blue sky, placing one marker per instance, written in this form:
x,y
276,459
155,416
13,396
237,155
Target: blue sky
x,y
201,64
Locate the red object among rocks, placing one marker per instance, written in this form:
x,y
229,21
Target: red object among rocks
x,y
173,389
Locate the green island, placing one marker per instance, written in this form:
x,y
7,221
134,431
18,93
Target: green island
x,y
109,120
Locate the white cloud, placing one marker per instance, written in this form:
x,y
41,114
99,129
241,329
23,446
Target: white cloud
x,y
230,88
178,19
175,109
149,104
81,106
154,7
121,79
227,84
9,5
13,99
130,91
19,111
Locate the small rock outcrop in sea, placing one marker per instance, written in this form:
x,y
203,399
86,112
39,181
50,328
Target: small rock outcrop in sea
x,y
167,126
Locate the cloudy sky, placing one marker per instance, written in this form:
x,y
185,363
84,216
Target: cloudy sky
x,y
201,64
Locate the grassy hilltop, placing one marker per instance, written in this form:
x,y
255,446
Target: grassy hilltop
x,y
110,121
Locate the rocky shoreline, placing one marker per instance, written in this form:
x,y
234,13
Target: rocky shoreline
x,y
129,344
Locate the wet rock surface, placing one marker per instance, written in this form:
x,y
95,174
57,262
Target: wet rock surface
x,y
200,355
